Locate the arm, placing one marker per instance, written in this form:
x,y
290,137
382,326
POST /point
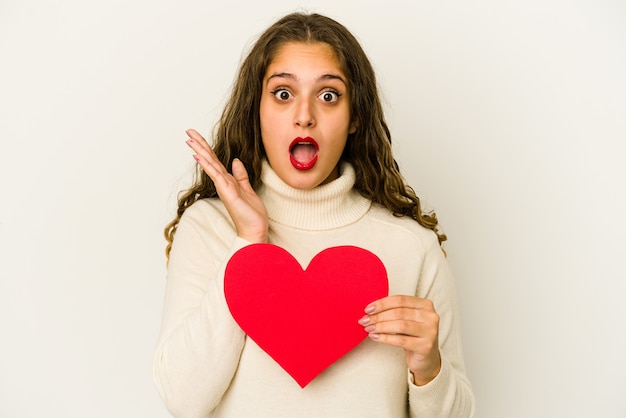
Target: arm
x,y
427,327
199,344
449,394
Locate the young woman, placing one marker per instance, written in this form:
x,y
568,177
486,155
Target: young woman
x,y
311,167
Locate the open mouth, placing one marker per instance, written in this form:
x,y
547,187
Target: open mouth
x,y
303,153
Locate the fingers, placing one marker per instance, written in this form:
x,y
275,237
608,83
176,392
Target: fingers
x,y
402,322
213,167
406,334
206,158
241,175
399,320
398,301
204,155
410,323
199,144
240,200
193,134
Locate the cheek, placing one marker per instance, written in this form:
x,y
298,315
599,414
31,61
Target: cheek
x,y
265,113
262,118
343,120
271,121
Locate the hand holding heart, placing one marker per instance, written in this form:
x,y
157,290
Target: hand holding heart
x,y
412,324
244,206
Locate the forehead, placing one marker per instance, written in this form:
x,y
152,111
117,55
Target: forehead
x,y
300,54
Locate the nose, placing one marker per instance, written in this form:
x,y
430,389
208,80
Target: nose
x,y
304,117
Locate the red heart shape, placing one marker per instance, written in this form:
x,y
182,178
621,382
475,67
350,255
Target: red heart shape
x,y
304,319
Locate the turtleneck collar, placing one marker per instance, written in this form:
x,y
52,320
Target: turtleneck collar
x,y
328,206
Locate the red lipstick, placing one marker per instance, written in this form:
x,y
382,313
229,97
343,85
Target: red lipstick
x,y
303,153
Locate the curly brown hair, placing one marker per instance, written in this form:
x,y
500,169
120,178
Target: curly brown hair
x,y
238,132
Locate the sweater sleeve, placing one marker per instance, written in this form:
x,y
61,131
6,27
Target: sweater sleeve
x,y
450,393
200,343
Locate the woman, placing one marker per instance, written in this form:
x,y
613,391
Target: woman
x,y
312,168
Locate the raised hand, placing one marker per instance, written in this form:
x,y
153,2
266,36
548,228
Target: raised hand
x,y
242,203
412,324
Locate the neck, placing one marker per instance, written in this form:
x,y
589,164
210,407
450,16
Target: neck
x,y
327,206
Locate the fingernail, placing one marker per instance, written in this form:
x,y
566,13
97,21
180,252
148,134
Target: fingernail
x,y
365,320
370,328
195,157
374,336
370,308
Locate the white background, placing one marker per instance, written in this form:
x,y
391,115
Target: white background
x,y
508,118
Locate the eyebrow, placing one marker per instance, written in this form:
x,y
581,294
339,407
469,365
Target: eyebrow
x,y
320,78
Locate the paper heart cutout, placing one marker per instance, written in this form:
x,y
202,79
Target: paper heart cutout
x,y
304,319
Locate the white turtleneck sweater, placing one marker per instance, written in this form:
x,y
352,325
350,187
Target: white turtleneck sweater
x,y
205,366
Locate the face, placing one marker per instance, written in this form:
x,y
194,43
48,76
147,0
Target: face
x,y
305,114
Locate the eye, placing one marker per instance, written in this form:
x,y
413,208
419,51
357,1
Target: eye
x,y
282,94
329,96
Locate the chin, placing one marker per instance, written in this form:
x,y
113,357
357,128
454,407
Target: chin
x,y
304,184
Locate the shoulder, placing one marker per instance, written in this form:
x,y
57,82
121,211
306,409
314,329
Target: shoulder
x,y
202,239
205,211
404,227
206,218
